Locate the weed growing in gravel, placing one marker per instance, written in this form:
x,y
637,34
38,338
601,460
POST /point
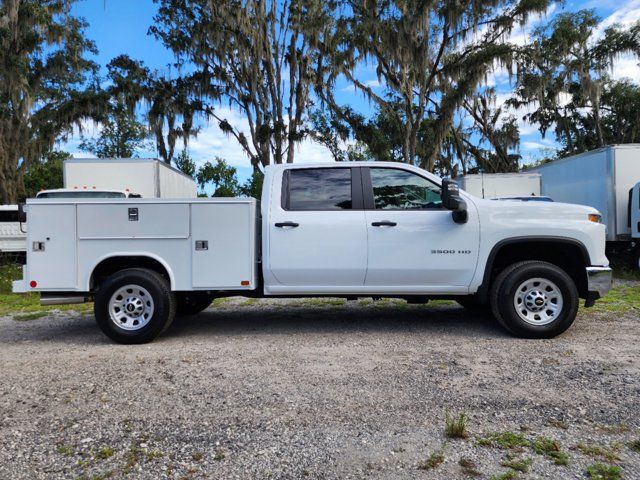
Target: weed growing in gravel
x,y
504,440
197,456
455,426
600,471
557,423
25,317
103,476
434,460
65,450
601,451
469,467
219,456
550,448
634,445
519,464
508,475
104,453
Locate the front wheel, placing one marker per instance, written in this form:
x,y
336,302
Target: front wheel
x,y
534,299
134,306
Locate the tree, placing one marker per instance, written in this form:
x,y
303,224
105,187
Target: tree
x,y
254,55
171,104
563,78
221,175
45,173
428,55
121,135
185,163
43,84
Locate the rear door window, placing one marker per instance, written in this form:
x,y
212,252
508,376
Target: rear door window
x,y
318,189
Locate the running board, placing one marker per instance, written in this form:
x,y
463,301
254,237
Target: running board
x,y
58,299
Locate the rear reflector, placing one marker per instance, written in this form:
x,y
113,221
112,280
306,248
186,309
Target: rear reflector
x,y
244,283
33,284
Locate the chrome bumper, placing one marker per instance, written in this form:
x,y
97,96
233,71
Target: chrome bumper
x,y
599,281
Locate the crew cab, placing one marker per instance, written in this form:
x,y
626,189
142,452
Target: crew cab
x,y
365,229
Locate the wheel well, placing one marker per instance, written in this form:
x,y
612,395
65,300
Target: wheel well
x,y
570,256
111,265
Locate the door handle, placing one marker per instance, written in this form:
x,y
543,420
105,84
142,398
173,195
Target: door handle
x,y
384,223
286,224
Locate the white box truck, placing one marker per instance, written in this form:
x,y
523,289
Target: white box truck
x,y
148,177
496,185
605,179
345,229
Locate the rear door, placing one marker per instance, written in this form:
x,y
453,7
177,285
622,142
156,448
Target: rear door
x,y
413,240
317,232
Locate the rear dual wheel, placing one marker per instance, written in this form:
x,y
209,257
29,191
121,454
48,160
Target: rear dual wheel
x,y
534,299
134,306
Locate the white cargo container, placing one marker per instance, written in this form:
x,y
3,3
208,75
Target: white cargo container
x,y
493,185
148,177
602,179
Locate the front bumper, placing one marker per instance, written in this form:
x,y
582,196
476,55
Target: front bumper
x,y
599,280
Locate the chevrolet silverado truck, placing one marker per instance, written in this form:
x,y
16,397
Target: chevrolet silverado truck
x,y
365,229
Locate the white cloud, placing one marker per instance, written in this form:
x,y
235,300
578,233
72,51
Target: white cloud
x,y
373,84
625,16
626,67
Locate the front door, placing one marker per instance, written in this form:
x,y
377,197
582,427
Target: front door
x,y
317,233
413,240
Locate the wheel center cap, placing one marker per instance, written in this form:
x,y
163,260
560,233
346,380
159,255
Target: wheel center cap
x,y
539,301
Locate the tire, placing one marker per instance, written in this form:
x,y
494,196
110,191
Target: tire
x,y
547,298
192,303
134,306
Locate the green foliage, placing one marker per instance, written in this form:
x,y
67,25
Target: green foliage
x,y
253,186
43,84
185,163
121,135
600,471
550,448
45,173
518,464
563,73
634,445
609,453
221,175
434,461
508,475
456,426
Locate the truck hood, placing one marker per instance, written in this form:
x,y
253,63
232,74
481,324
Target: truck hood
x,y
549,210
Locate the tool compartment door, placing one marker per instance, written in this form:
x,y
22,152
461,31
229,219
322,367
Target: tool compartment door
x,y
53,264
223,245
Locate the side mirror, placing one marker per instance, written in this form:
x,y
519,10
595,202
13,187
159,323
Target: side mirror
x,y
451,200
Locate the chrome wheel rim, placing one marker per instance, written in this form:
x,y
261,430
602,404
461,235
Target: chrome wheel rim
x,y
131,307
538,301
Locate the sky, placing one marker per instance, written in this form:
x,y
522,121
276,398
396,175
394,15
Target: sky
x,y
121,26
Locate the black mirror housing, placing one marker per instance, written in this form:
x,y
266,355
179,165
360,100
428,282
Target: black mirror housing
x,y
451,200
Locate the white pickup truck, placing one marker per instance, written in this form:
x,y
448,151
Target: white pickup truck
x,y
342,229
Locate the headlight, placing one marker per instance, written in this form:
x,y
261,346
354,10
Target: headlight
x,y
595,217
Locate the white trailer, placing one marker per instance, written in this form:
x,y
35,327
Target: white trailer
x,y
148,177
494,185
605,179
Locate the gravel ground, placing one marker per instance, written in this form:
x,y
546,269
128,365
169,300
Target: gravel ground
x,y
310,388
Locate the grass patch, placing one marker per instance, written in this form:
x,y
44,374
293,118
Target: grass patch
x,y
434,461
469,467
551,449
322,302
455,426
65,450
518,464
219,456
197,456
622,298
25,317
600,451
504,440
634,445
600,471
508,475
104,453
